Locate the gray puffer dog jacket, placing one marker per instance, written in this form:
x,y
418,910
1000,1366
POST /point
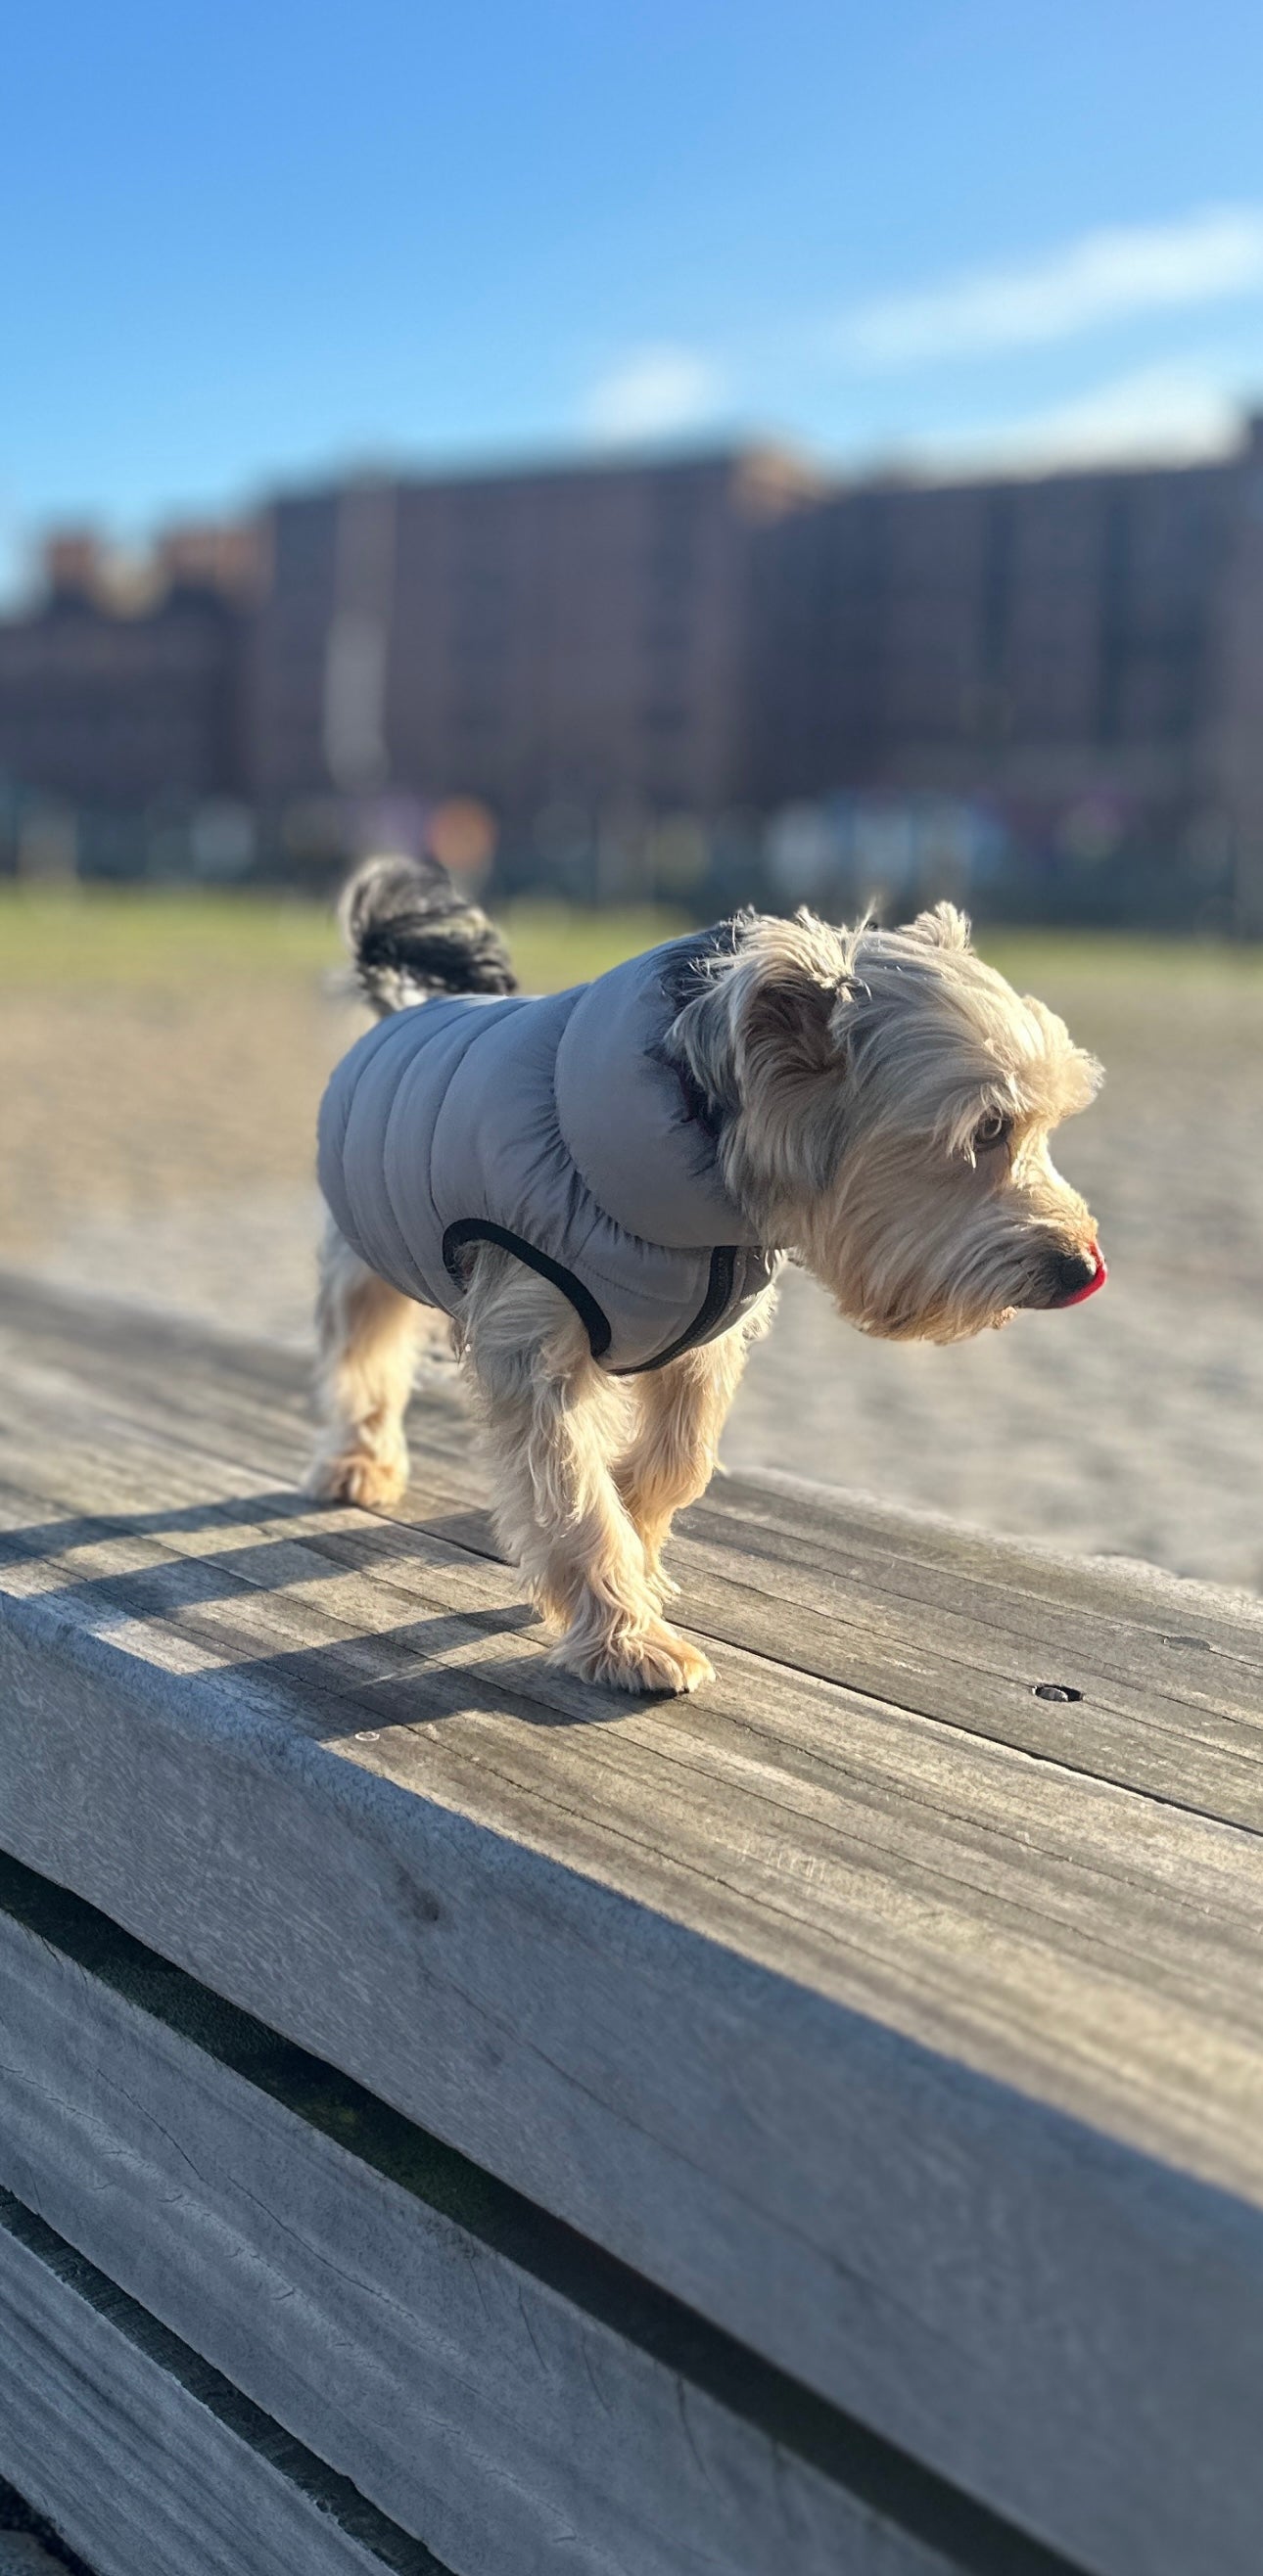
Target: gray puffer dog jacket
x,y
557,1129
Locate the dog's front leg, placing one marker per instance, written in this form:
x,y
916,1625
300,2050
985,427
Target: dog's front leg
x,y
555,1424
681,1410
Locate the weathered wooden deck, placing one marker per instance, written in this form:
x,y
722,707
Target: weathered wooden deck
x,y
451,2117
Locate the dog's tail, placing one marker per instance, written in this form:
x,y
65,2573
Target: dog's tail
x,y
411,934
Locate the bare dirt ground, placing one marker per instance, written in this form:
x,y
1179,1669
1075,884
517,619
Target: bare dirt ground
x,y
156,1145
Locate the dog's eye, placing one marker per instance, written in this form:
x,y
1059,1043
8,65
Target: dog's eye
x,y
995,1129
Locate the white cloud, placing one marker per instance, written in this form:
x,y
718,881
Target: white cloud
x,y
651,393
1105,276
1158,415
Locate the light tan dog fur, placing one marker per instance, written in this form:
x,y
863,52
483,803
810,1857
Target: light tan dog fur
x,y
888,1107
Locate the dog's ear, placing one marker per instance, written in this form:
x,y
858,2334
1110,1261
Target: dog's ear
x,y
790,1047
791,1018
942,927
793,1006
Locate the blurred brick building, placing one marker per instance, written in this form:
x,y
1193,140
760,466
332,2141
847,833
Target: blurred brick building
x,y
580,633
1079,655
1084,652
125,681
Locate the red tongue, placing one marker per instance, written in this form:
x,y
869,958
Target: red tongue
x,y
1091,1285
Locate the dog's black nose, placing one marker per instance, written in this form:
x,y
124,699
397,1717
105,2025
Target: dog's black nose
x,y
1069,1273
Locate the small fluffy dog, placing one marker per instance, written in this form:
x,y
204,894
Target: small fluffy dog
x,y
600,1187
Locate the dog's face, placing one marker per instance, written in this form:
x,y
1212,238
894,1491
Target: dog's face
x,y
892,1101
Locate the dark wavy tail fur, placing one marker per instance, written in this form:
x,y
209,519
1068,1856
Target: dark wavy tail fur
x,y
411,934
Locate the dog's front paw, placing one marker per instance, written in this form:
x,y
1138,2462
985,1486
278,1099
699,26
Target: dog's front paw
x,y
654,1660
357,1478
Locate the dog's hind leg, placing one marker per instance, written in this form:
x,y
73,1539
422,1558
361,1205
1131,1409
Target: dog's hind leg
x,y
682,1410
555,1425
367,1337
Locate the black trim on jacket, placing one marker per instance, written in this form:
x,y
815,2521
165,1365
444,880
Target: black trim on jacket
x,y
479,1229
595,1321
723,1263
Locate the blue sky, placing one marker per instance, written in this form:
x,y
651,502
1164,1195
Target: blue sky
x,y
246,245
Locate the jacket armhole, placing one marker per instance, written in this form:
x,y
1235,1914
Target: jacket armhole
x,y
723,1267
477,1229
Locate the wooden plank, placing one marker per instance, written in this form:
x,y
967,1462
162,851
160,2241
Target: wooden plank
x,y
975,1662
931,2070
201,1385
1111,1587
959,1627
496,2386
959,1634
1200,1753
191,1566
22,2555
144,2457
236,1599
